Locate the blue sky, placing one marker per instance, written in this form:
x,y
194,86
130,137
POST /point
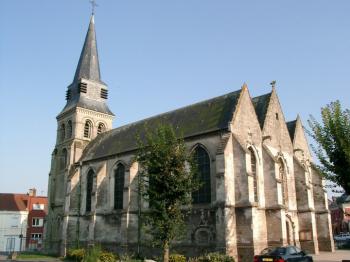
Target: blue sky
x,y
159,55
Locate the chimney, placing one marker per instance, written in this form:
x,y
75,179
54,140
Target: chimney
x,y
32,192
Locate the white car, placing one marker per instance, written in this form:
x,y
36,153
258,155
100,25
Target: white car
x,y
342,237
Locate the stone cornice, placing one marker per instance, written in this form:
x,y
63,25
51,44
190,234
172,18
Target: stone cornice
x,y
94,113
84,111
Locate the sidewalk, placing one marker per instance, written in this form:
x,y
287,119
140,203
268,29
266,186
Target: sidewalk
x,y
4,258
338,255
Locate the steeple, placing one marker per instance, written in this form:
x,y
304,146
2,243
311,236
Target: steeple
x,y
88,66
87,89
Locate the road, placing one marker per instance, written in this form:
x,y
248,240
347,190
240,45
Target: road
x,y
338,255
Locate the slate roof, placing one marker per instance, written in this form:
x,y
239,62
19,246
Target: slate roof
x,y
261,104
88,68
88,65
200,118
291,128
85,102
13,202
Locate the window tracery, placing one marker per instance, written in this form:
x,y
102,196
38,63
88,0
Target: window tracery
x,y
203,194
119,175
253,171
89,187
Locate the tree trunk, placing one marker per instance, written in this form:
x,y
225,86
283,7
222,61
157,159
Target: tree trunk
x,y
166,251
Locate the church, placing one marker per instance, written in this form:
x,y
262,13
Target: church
x,y
258,186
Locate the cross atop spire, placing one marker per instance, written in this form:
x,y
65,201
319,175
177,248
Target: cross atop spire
x,y
93,5
273,84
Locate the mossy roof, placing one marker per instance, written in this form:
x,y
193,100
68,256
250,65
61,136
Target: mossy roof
x,y
261,103
197,119
291,128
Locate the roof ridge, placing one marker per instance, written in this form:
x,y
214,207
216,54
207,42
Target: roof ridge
x,y
256,97
202,117
174,110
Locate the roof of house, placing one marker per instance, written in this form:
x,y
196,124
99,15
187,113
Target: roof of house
x,y
87,103
291,128
13,202
261,103
197,119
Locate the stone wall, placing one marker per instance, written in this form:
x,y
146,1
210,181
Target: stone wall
x,y
240,220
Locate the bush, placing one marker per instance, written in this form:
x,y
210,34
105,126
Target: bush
x,y
213,257
92,255
177,258
76,254
107,257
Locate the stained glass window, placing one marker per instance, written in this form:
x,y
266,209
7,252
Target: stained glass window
x,y
203,194
119,174
254,174
89,186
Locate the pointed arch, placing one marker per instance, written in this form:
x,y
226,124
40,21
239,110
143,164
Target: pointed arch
x,y
64,158
202,160
253,171
69,129
62,132
89,188
282,176
119,177
87,129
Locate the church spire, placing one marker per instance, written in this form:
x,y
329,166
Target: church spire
x,y
88,66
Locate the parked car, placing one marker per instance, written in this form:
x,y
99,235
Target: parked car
x,y
342,237
283,254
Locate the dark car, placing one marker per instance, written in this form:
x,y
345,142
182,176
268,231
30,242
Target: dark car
x,y
283,254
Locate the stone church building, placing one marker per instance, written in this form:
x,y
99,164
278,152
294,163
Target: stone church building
x,y
258,185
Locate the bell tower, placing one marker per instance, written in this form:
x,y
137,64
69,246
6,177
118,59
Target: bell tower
x,y
85,116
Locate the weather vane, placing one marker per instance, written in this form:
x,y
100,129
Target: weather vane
x,y
93,5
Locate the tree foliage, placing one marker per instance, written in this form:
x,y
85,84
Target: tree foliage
x,y
333,144
168,174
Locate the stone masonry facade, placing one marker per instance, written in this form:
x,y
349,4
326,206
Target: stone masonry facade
x,y
263,189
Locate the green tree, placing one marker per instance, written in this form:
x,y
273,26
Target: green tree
x,y
333,144
168,175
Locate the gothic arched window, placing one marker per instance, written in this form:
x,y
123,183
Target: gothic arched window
x,y
202,160
89,187
64,158
283,178
119,174
101,128
63,132
69,129
87,129
254,174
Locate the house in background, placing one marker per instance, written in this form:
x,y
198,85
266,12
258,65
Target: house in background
x,y
21,221
340,214
13,221
37,211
